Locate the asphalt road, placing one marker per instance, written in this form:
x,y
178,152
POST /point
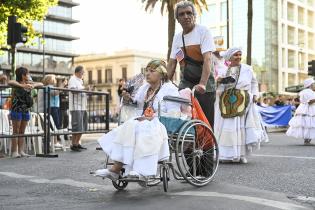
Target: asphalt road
x,y
278,176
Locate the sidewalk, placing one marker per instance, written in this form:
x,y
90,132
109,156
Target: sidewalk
x,y
95,136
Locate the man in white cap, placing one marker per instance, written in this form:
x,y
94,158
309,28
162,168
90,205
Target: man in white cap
x,y
302,125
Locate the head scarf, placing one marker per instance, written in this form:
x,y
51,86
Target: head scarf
x,y
227,55
158,65
308,82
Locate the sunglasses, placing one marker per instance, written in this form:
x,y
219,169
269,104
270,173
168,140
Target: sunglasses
x,y
182,14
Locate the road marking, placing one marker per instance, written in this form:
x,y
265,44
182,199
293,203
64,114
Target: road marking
x,y
261,201
94,187
69,182
285,156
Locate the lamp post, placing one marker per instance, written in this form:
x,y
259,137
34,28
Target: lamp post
x,y
43,37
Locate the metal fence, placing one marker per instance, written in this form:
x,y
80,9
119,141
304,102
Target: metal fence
x,y
44,125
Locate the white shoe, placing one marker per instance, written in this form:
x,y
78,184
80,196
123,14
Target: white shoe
x,y
23,154
236,160
58,145
106,173
243,160
15,155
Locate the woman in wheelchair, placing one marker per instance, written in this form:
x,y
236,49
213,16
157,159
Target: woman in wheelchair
x,y
139,143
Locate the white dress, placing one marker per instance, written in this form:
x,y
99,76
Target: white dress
x,y
237,134
140,145
302,125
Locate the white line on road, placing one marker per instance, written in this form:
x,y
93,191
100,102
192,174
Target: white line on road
x,y
261,201
68,182
285,156
92,186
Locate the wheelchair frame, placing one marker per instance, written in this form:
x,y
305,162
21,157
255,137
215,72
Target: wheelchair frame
x,y
195,173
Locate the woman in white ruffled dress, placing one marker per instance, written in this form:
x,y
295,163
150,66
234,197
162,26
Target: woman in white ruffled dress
x,y
239,135
138,144
302,125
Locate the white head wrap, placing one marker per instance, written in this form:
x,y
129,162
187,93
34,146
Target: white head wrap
x,y
230,52
308,82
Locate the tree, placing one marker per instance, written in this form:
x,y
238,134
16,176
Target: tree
x,y
249,31
27,12
169,6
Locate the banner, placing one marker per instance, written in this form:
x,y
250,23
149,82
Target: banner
x,y
275,115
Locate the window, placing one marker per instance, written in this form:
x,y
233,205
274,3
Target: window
x,y
290,12
291,35
99,76
142,70
99,97
223,11
90,77
291,63
124,73
108,76
110,94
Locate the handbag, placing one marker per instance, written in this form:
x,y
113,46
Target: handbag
x,y
193,69
233,102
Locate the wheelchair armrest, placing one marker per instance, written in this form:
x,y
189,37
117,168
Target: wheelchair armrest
x,y
177,99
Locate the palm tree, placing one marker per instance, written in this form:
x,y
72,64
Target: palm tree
x,y
169,6
249,31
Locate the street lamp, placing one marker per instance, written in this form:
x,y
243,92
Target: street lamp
x,y
43,37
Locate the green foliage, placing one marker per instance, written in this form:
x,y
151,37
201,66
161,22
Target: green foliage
x,y
27,12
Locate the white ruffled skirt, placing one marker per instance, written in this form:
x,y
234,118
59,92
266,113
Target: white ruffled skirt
x,y
145,165
302,125
238,136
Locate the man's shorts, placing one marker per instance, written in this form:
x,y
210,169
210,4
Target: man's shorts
x,y
19,116
79,120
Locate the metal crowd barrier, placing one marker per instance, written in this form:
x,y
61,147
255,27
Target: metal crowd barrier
x,y
41,128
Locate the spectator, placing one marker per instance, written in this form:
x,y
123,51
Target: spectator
x,y
264,102
77,107
296,102
64,104
50,81
3,79
20,111
121,87
279,101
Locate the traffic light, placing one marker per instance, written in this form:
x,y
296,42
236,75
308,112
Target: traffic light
x,y
16,32
311,68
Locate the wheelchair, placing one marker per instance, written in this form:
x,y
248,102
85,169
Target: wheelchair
x,y
194,153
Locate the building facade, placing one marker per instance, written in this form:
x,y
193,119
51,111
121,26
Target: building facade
x,y
282,37
51,54
103,71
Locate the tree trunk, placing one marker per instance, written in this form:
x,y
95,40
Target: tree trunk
x,y
249,31
171,28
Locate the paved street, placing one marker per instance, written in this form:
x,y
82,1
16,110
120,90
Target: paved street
x,y
279,176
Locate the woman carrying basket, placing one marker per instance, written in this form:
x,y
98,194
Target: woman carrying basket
x,y
237,127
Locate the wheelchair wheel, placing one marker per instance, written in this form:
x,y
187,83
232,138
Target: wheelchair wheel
x,y
196,158
120,184
165,178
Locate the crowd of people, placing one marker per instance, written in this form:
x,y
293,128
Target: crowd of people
x,y
21,103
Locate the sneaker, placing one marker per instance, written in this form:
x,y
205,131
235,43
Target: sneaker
x,y
15,155
243,160
106,173
23,154
80,147
75,148
307,142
